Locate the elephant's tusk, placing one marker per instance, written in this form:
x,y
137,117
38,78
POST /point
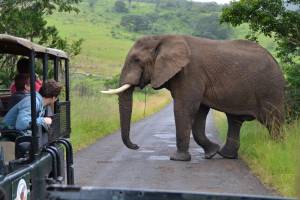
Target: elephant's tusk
x,y
118,90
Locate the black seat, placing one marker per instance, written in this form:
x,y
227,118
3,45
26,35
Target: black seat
x,y
23,146
10,134
1,105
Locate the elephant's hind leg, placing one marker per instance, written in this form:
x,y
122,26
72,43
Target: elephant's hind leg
x,y
200,138
231,147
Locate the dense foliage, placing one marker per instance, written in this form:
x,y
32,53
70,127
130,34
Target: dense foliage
x,y
26,19
120,6
273,18
137,23
177,16
210,27
278,19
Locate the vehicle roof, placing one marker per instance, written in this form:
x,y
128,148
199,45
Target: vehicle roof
x,y
20,46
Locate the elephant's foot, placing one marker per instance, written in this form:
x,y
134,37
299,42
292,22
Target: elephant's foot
x,y
230,150
181,156
211,151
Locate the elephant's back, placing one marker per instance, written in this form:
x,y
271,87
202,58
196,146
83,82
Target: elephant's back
x,y
239,73
235,57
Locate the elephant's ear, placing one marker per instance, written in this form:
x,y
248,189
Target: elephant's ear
x,y
172,55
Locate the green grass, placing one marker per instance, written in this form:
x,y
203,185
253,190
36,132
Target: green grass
x,y
101,53
92,118
95,115
276,163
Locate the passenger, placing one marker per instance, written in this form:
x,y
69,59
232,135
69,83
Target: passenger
x,y
23,67
22,85
19,116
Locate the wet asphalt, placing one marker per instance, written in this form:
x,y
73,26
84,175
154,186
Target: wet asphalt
x,y
108,163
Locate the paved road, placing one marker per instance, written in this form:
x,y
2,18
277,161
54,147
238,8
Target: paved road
x,y
108,163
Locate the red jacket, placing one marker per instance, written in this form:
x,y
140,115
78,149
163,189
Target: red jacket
x,y
38,85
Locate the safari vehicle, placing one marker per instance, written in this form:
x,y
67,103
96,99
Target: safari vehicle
x,y
42,172
28,163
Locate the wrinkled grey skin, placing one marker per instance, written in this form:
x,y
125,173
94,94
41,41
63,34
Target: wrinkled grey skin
x,y
237,77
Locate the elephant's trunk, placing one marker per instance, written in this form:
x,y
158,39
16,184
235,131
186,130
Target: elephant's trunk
x,y
125,108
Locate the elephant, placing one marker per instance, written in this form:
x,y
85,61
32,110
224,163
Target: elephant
x,y
237,77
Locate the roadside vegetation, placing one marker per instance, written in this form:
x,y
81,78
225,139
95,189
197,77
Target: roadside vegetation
x,y
95,115
276,163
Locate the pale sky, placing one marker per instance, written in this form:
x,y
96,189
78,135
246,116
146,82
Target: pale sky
x,y
217,1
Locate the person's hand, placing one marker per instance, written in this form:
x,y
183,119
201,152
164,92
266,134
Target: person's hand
x,y
48,120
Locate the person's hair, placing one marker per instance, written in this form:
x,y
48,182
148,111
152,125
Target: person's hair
x,y
21,80
23,66
50,88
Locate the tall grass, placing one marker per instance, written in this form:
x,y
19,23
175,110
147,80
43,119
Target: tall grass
x,y
276,163
93,117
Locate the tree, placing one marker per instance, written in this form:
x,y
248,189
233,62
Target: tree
x,y
136,23
120,7
92,3
210,27
129,4
271,18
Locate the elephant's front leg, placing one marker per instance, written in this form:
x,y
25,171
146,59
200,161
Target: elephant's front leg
x,y
184,112
198,131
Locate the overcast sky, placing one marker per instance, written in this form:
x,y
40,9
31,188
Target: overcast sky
x,y
218,1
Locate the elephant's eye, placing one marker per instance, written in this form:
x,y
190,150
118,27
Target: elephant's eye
x,y
136,60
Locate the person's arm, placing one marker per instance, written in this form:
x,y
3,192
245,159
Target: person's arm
x,y
24,116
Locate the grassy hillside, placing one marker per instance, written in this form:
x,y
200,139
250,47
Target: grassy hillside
x,y
101,53
106,43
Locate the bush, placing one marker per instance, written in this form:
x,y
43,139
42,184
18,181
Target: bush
x,y
292,105
120,7
86,86
112,82
136,23
92,3
5,80
210,27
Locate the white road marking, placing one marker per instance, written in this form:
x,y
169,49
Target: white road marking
x,y
165,136
158,158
